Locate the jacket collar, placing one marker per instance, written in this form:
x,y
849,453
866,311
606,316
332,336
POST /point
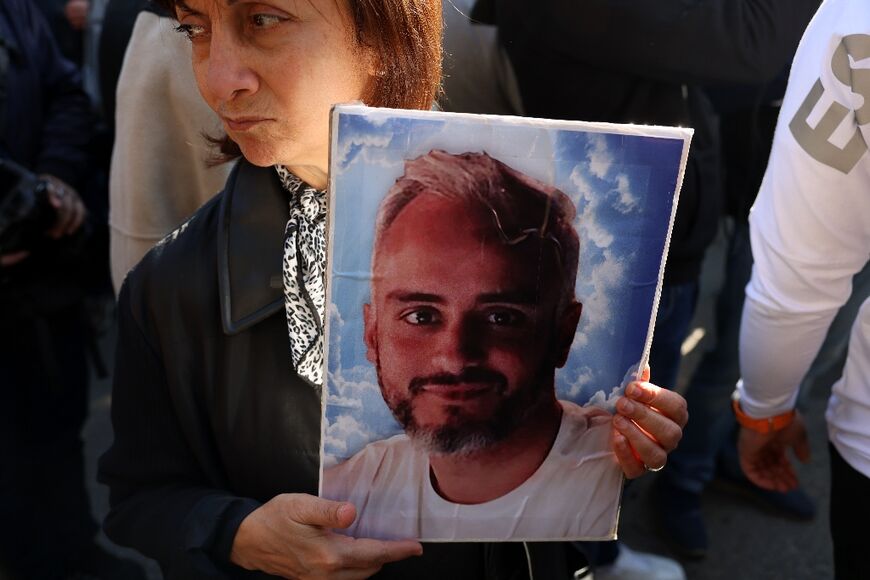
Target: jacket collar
x,y
251,224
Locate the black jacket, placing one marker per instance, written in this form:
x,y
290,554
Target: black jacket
x,y
629,61
209,418
45,126
46,119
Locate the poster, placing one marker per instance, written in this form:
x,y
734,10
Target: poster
x,y
491,288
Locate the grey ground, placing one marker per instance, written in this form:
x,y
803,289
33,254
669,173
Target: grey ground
x,y
746,542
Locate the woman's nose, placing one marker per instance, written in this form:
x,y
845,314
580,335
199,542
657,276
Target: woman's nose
x,y
229,75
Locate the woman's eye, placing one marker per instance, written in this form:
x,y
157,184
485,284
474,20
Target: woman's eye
x,y
191,31
266,20
423,317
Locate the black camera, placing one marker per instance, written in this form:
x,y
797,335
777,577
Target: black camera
x,y
25,210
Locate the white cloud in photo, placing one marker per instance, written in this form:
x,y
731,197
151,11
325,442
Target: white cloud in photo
x,y
344,435
385,158
336,326
343,402
353,393
584,378
600,158
597,190
605,399
600,282
362,144
603,279
626,201
356,412
588,204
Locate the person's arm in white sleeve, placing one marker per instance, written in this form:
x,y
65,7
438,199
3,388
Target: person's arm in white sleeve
x,y
810,233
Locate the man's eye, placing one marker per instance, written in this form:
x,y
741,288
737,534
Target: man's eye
x,y
191,31
421,317
504,318
266,20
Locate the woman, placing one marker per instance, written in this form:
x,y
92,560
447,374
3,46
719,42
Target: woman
x,y
215,460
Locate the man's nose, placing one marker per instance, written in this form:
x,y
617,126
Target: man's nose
x,y
459,344
229,74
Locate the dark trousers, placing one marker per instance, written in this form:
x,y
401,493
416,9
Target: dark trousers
x,y
676,309
712,425
850,512
44,508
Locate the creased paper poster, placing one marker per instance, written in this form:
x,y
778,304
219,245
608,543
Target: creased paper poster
x,y
491,288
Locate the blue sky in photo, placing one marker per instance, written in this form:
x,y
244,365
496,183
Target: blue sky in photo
x,y
622,185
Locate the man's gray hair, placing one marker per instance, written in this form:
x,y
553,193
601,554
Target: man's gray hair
x,y
520,205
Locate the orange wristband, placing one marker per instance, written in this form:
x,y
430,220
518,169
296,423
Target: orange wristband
x,y
764,426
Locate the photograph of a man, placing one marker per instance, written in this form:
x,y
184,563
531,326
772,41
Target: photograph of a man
x,y
472,310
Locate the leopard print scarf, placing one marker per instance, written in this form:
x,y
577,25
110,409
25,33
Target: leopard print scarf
x,y
303,272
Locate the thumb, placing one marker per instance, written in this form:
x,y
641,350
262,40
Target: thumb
x,y
324,513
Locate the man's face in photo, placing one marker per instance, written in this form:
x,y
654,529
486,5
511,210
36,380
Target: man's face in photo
x,y
462,325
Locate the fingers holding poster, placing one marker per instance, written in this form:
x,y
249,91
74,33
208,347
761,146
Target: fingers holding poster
x,y
488,279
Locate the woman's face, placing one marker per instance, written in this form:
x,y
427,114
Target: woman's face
x,y
271,69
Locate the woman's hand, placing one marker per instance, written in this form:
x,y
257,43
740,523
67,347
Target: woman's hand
x,y
647,426
67,204
292,536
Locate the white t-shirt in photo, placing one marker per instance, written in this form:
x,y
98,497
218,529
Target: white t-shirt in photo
x,y
574,494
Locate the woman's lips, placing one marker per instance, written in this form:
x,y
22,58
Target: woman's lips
x,y
243,123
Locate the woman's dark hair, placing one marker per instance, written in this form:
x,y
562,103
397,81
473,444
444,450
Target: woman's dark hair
x,y
405,35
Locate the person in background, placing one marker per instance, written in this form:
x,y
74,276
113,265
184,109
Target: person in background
x,y
810,234
119,18
160,172
747,118
67,20
477,77
48,531
635,62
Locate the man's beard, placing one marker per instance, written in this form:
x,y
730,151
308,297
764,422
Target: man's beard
x,y
460,435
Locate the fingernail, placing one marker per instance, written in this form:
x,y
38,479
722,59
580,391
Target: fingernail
x,y
625,405
342,509
633,390
620,421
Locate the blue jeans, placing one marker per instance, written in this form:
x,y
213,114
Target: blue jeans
x,y
692,465
676,309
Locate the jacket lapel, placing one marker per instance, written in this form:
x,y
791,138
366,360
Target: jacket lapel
x,y
253,216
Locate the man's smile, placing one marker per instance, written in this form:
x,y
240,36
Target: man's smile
x,y
460,391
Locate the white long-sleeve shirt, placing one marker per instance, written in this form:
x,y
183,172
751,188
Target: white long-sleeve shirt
x,y
810,229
